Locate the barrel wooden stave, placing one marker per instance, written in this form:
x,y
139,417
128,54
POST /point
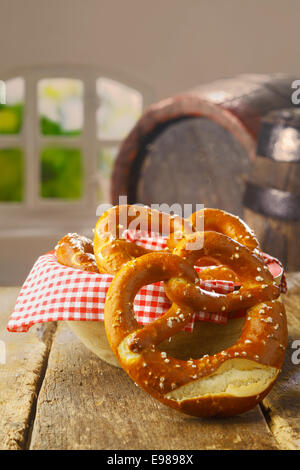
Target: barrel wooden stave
x,y
280,239
278,236
249,97
168,151
177,152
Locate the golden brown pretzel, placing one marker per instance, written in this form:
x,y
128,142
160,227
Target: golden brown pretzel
x,y
229,382
76,251
257,283
223,222
220,272
112,252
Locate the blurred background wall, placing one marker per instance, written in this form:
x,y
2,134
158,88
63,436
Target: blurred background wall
x,y
170,45
158,48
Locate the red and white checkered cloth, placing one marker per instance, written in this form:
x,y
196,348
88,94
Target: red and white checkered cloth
x,y
53,292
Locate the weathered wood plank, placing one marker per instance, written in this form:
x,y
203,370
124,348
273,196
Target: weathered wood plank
x,y
26,356
282,405
85,403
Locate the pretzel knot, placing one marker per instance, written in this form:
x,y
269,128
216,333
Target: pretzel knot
x,y
226,383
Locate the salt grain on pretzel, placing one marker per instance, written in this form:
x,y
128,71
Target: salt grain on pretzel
x,y
76,251
254,289
224,384
226,223
112,252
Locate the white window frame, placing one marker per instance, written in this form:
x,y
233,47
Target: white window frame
x,y
37,211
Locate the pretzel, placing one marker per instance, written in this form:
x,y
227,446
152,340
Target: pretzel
x,y
223,222
112,252
222,273
257,283
224,384
76,251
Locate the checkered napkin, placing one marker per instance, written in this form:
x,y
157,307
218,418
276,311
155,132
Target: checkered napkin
x,y
53,292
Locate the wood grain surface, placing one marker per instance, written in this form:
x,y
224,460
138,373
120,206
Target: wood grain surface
x,y
83,403
196,156
282,405
86,404
21,375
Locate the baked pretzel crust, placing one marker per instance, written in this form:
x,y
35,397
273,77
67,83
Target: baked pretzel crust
x,y
223,384
228,224
112,252
198,386
76,251
257,283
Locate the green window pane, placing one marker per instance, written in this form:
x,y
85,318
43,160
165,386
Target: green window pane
x,y
60,106
61,173
119,109
12,106
11,175
106,160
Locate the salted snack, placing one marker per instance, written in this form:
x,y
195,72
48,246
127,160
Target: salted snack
x,y
218,370
229,382
112,251
76,251
231,225
223,222
257,283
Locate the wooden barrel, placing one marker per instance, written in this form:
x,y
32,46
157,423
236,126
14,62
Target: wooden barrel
x,y
198,147
272,195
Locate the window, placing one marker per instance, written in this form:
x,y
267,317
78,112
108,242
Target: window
x,y
11,150
60,131
118,110
60,114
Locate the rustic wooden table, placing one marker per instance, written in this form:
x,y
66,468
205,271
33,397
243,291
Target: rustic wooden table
x,y
56,394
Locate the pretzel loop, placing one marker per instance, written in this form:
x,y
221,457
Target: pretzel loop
x,y
228,224
257,284
112,251
185,385
119,315
76,251
226,383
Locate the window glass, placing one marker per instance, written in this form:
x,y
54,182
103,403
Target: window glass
x,y
119,109
60,106
60,112
11,175
12,106
61,173
106,159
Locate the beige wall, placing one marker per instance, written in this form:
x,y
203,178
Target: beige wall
x,y
170,45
